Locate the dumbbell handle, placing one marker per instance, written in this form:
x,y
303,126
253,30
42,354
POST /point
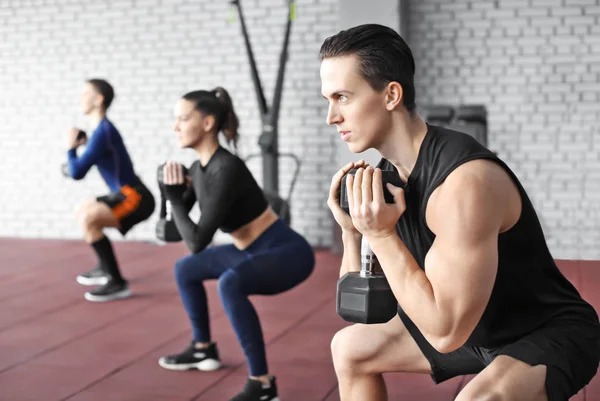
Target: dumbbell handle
x,y
367,259
169,208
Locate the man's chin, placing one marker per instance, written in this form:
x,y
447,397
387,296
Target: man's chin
x,y
185,145
356,148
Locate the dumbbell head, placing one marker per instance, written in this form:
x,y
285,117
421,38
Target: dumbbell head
x,y
64,169
81,135
160,173
161,188
166,231
387,176
367,300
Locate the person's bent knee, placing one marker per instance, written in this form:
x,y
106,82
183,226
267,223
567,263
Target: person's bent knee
x,y
83,207
91,219
91,215
87,220
229,283
346,350
183,269
338,342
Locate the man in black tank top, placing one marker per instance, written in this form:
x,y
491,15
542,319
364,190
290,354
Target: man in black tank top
x,y
462,247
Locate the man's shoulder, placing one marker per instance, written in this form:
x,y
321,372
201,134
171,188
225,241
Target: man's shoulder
x,y
479,174
479,188
106,127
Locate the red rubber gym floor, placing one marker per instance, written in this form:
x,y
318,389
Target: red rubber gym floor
x,y
55,346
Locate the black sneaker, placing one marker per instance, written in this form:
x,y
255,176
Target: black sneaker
x,y
109,291
96,276
254,390
205,359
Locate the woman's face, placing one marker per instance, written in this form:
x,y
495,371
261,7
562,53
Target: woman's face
x,y
191,125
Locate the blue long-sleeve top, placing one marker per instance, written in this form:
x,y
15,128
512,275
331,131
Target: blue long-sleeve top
x,y
105,149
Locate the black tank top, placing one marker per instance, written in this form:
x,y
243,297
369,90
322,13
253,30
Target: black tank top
x,y
529,289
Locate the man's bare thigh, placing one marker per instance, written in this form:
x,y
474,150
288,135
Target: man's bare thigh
x,y
507,378
100,215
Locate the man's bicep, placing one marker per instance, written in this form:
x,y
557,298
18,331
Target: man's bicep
x,y
462,263
462,274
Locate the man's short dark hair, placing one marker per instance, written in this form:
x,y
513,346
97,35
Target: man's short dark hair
x,y
384,57
105,89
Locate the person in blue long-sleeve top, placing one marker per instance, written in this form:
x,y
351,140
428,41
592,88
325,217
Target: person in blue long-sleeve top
x,y
128,203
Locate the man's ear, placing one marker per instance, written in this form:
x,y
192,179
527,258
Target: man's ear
x,y
98,101
393,95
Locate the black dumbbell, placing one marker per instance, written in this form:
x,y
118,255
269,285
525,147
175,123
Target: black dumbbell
x,y
82,135
64,168
366,296
387,176
166,230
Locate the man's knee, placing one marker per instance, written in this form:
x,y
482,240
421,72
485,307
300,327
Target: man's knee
x,y
89,215
97,216
339,342
87,220
348,349
83,207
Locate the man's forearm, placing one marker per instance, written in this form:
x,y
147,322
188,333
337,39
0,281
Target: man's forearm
x,y
351,256
411,286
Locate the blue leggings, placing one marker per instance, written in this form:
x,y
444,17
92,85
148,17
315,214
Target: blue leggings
x,y
275,262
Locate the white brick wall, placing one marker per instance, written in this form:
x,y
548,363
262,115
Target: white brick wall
x,y
152,51
535,65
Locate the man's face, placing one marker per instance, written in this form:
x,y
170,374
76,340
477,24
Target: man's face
x,y
355,108
90,99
